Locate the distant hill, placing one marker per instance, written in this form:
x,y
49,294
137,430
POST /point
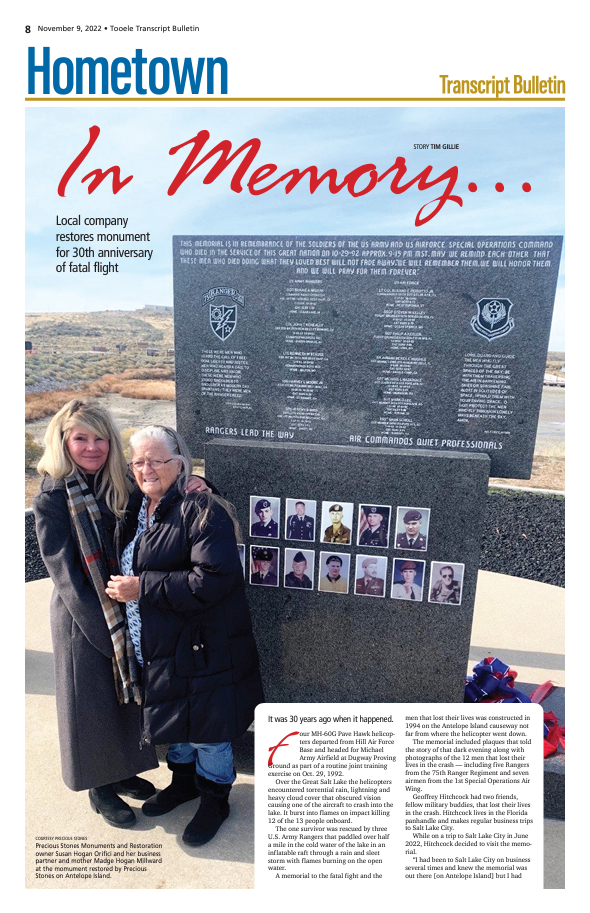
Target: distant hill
x,y
63,344
122,326
48,329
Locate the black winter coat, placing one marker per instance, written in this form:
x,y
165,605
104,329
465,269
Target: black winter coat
x,y
201,675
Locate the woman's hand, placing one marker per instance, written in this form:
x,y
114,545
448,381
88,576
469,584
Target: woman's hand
x,y
123,589
196,483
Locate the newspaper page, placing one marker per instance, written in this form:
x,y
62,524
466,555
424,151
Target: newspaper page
x,y
209,138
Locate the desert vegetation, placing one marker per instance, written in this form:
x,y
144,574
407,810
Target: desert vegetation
x,y
155,383
33,452
64,362
64,346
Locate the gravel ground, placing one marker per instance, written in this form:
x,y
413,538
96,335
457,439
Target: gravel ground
x,y
523,536
34,567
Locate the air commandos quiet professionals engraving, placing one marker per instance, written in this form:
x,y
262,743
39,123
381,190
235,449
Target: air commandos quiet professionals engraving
x,y
417,342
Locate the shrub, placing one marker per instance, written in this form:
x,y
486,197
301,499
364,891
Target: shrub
x,y
40,405
33,452
147,389
125,437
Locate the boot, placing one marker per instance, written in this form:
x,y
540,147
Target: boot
x,y
105,801
135,788
182,789
213,811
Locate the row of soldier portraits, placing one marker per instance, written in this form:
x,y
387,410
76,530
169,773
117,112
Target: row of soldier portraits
x,y
408,580
336,523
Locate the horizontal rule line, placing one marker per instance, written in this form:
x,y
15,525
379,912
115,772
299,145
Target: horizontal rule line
x,y
219,98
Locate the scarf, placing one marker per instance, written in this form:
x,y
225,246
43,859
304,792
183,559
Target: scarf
x,y
99,559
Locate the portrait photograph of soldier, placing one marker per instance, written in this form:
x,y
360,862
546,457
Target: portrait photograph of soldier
x,y
446,582
412,528
299,568
334,571
373,526
300,520
264,566
337,522
408,579
242,553
264,517
371,571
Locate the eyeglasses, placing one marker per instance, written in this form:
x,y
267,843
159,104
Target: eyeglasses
x,y
447,576
137,465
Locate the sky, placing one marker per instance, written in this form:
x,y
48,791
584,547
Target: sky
x,y
496,144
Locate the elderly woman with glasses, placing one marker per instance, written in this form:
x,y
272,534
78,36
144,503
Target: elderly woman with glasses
x,y
183,586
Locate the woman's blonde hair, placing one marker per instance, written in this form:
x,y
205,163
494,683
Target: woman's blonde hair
x,y
113,481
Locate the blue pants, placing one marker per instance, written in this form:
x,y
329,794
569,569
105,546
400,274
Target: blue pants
x,y
213,760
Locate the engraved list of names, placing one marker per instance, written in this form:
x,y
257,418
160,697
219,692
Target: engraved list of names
x,y
408,342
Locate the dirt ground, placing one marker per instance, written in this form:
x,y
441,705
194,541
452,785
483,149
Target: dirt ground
x,y
548,472
549,458
128,413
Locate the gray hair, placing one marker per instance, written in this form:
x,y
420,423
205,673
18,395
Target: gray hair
x,y
175,445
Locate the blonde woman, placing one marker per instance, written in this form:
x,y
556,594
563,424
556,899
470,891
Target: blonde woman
x,y
83,494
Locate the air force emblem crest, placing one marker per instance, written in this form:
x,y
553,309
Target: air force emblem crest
x,y
223,310
493,318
